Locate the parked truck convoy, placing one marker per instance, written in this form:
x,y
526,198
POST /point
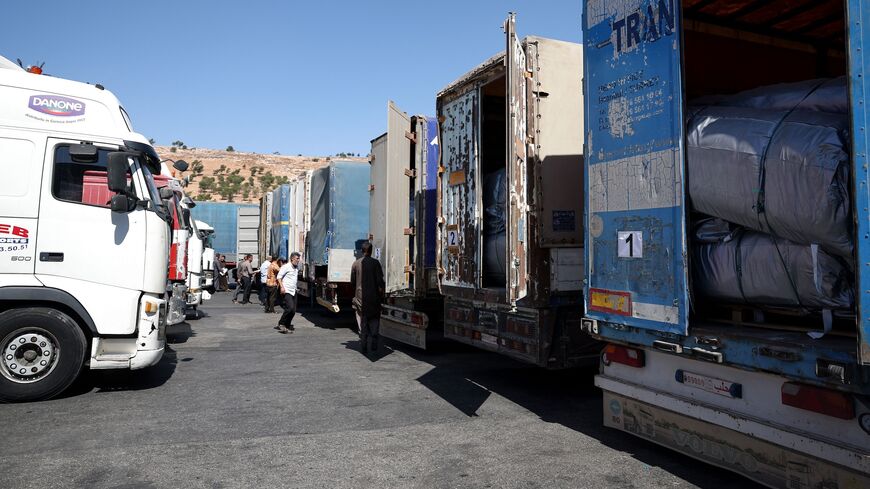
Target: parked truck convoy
x,y
727,248
403,224
510,252
59,312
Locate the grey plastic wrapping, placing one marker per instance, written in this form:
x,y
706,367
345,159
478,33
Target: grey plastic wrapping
x,y
494,198
318,233
822,95
746,267
779,172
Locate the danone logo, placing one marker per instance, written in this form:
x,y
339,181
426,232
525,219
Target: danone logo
x,y
57,106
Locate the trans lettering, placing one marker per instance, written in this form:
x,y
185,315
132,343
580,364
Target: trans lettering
x,y
13,230
648,26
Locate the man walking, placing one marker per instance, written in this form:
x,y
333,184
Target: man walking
x,y
288,277
264,273
217,271
367,278
245,273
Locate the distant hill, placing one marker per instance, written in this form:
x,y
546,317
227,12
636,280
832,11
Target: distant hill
x,y
244,176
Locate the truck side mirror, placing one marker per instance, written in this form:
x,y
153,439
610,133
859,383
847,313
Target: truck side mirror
x,y
116,172
122,203
180,165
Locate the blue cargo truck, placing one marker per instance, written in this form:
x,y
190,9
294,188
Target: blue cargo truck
x,y
236,228
339,224
403,225
279,233
728,232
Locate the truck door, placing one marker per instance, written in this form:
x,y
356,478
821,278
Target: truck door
x,y
637,272
859,91
517,230
392,195
460,226
80,238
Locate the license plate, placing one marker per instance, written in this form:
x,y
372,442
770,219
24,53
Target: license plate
x,y
721,387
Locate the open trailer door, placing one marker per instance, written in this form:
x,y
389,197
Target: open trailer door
x,y
637,271
517,241
859,43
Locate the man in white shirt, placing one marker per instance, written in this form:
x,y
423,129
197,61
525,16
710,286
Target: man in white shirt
x,y
288,276
264,272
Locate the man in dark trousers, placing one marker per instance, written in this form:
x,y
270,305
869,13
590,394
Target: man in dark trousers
x,y
367,278
288,276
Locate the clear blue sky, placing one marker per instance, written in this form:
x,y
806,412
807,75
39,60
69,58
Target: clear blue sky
x,y
295,77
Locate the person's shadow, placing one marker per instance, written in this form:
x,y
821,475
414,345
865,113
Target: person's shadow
x,y
383,351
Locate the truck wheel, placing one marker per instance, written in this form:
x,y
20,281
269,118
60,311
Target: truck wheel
x,y
43,351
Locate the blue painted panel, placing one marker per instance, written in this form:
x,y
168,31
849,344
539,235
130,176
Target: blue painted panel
x,y
634,163
280,234
859,68
430,195
348,204
223,217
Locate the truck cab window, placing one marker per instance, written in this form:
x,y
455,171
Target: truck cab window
x,y
81,182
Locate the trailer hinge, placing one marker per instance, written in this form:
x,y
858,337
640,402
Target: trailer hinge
x,y
371,237
412,136
409,268
441,119
409,231
410,173
371,188
528,74
441,220
441,170
441,271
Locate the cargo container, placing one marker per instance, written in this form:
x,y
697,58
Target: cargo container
x,y
300,218
511,164
280,221
339,224
779,393
236,228
265,225
402,219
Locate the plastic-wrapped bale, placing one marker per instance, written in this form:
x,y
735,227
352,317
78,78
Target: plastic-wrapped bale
x,y
779,172
821,95
739,266
494,198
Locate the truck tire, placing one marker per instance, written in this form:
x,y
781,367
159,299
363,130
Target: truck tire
x,y
43,351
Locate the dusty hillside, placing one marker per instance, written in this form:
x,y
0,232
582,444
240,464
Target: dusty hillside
x,y
220,176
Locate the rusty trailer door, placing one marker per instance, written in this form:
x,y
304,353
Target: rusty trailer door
x,y
517,231
458,209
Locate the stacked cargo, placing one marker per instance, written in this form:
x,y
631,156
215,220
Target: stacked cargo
x,y
773,164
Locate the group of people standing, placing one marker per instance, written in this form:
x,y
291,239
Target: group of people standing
x,y
278,279
278,285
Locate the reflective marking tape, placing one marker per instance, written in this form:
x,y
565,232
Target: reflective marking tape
x,y
615,302
656,312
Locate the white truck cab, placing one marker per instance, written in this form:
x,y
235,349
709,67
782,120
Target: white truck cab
x,y
83,236
200,267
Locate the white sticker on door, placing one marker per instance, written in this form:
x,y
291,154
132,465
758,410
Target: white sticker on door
x,y
630,244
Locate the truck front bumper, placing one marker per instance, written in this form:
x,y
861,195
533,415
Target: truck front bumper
x,y
152,333
177,303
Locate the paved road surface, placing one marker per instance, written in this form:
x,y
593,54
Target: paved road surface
x,y
235,404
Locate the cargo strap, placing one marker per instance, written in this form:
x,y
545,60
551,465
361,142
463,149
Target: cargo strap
x,y
762,180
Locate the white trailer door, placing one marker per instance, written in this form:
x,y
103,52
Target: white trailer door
x,y
517,241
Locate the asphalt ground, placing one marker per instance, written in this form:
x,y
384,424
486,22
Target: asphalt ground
x,y
234,403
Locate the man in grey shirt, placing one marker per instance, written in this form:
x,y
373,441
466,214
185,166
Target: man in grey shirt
x,y
245,273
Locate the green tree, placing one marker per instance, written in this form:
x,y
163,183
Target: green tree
x,y
206,183
230,149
